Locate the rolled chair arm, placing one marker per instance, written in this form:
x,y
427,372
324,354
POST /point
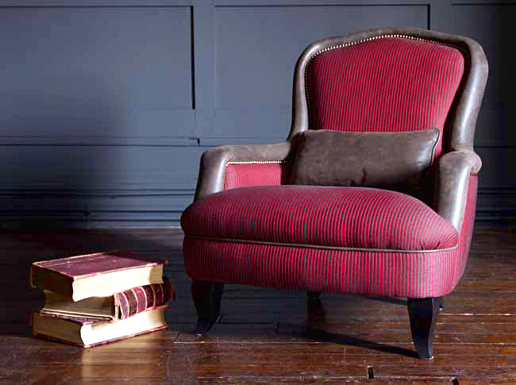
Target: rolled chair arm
x,y
453,171
214,162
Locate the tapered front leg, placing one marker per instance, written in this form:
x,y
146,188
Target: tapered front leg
x,y
207,297
423,314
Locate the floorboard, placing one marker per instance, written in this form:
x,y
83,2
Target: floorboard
x,y
266,336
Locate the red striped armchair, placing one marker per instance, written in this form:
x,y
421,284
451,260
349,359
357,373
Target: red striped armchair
x,y
271,215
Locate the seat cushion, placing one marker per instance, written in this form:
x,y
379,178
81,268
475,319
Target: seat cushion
x,y
317,216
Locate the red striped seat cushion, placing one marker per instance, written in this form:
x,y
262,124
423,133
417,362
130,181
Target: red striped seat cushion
x,y
386,84
416,274
338,217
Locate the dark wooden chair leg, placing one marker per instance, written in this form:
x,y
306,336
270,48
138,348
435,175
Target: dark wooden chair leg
x,y
311,295
423,314
207,297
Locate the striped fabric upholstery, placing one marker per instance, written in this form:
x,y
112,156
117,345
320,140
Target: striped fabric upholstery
x,y
416,274
342,239
351,217
254,174
386,84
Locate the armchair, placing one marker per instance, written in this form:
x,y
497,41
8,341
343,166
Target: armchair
x,y
248,225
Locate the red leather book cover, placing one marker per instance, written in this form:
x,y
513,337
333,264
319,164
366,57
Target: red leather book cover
x,y
95,275
81,266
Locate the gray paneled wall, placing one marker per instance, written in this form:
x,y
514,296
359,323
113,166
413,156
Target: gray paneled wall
x,y
106,105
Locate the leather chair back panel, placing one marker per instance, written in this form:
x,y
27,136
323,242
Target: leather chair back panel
x,y
387,84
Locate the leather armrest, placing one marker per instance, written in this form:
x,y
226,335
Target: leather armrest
x,y
453,171
214,161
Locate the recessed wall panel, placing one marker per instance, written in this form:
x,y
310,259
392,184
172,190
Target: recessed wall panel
x,y
497,167
492,27
95,72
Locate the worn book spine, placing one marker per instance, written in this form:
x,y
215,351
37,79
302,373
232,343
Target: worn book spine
x,y
142,298
84,321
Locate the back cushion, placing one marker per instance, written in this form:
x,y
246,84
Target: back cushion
x,y
389,84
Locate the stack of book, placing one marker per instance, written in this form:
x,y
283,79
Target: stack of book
x,y
98,298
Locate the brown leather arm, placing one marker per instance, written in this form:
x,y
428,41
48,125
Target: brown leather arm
x,y
214,161
453,171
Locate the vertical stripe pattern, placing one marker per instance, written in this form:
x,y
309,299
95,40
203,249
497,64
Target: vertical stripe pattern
x,y
387,84
254,174
417,275
325,216
351,272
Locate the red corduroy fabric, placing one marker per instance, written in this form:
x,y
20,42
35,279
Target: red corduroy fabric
x,y
352,272
387,84
322,216
415,274
254,174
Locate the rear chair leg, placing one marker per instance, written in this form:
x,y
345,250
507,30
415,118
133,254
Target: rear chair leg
x,y
423,314
207,297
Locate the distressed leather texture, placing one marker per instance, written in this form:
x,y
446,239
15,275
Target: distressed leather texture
x,y
369,159
214,161
388,84
453,174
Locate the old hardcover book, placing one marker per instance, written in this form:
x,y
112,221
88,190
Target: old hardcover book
x,y
113,308
87,332
95,275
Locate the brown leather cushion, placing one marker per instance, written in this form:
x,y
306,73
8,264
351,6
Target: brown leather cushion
x,y
398,160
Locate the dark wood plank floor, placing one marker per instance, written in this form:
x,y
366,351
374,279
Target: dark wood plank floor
x,y
266,335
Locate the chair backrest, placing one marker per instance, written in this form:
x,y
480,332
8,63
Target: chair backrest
x,y
393,79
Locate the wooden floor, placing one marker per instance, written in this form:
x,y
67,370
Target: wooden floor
x,y
266,335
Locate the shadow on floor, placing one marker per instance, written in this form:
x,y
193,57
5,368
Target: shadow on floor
x,y
342,339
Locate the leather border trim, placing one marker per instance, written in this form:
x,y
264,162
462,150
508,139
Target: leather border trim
x,y
439,135
453,173
214,162
307,246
